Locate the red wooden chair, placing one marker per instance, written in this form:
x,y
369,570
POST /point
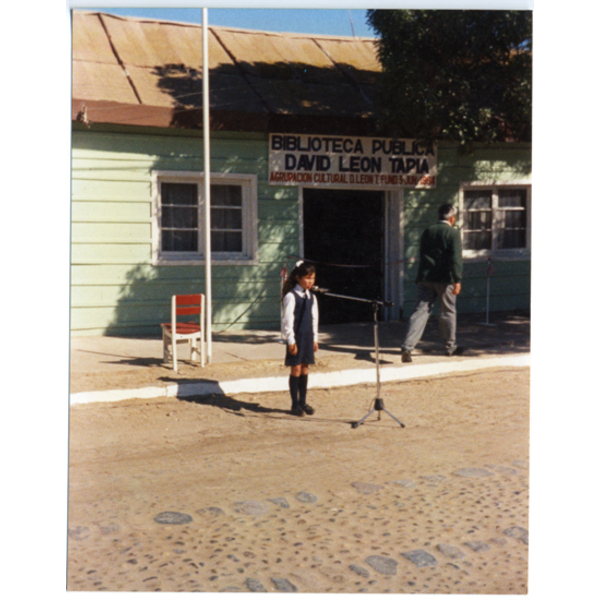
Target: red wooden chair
x,y
191,333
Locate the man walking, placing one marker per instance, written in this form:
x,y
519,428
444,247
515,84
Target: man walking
x,y
439,277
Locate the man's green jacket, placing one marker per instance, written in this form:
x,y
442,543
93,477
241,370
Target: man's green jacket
x,y
440,254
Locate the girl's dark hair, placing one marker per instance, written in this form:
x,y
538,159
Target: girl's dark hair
x,y
300,270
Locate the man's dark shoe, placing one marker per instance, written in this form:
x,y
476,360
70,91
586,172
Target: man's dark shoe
x,y
297,411
455,351
406,356
309,410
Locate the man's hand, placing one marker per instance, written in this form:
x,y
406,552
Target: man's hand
x,y
293,349
456,289
316,346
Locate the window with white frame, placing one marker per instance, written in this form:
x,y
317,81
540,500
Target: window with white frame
x,y
179,218
495,219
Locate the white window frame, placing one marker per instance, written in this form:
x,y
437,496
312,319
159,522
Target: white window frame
x,y
249,253
494,186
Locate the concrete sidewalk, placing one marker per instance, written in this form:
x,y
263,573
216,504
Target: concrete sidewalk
x,y
346,357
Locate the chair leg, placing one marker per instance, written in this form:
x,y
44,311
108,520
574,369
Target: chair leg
x,y
166,356
194,354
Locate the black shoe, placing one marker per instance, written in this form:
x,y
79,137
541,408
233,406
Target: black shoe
x,y
455,351
309,410
297,411
406,356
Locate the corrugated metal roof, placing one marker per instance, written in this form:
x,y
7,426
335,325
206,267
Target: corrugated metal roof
x,y
256,78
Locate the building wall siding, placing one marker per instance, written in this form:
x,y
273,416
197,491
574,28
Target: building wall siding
x,y
117,291
115,288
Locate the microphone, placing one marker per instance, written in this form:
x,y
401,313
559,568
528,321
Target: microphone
x,y
318,290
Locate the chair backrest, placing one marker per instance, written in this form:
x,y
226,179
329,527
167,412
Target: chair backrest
x,y
187,304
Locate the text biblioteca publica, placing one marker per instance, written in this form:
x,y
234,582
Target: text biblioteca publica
x,y
350,160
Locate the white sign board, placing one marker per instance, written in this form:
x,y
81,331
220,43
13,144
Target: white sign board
x,y
357,162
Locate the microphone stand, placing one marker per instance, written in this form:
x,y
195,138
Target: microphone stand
x,y
378,402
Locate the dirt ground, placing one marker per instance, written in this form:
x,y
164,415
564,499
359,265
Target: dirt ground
x,y
235,494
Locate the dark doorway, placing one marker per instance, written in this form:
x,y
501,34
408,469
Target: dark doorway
x,y
345,228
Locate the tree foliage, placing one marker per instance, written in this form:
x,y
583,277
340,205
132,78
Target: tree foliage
x,y
462,75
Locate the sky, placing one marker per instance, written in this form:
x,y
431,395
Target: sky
x,y
332,17
320,21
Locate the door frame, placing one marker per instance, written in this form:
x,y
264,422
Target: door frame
x,y
393,250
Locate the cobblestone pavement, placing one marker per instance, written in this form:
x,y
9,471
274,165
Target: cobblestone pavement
x,y
396,537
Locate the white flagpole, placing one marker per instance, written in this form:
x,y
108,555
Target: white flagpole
x,y
489,271
487,309
206,127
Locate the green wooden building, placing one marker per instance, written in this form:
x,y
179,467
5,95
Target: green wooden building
x,y
298,169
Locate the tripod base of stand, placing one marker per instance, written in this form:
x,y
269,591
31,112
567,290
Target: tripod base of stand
x,y
378,406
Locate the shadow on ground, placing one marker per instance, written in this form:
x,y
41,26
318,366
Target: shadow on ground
x,y
508,332
231,405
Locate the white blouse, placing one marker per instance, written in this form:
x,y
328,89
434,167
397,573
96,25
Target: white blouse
x,y
287,319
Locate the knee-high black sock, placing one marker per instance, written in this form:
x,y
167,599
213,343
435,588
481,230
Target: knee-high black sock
x,y
294,383
303,386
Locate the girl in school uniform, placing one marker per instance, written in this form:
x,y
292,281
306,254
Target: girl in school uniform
x,y
299,326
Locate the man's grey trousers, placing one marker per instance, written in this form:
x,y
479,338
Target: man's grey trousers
x,y
427,293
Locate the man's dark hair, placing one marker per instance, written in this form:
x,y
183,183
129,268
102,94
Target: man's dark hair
x,y
445,211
